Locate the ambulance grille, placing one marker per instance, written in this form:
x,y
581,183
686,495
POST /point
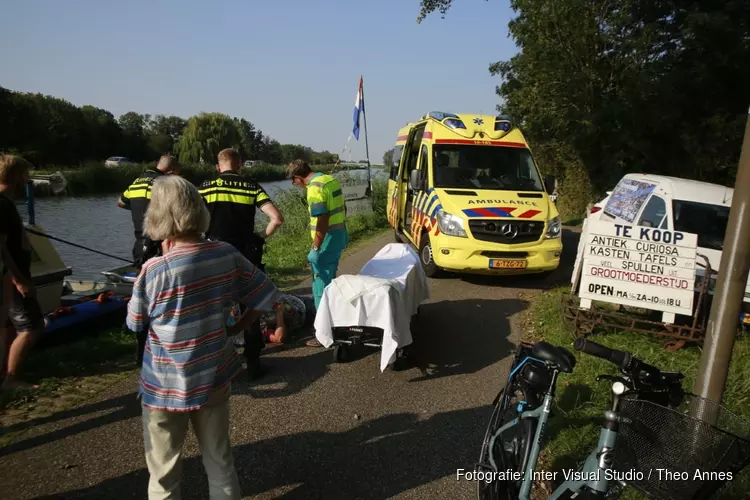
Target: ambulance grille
x,y
505,231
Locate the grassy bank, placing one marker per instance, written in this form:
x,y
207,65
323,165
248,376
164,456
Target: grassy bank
x,y
68,375
286,251
94,178
580,400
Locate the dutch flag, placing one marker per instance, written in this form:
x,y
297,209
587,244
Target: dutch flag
x,y
359,106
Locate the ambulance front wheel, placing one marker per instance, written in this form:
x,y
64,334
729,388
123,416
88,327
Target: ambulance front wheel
x,y
425,255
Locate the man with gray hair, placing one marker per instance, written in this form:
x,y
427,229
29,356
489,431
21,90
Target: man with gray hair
x,y
136,199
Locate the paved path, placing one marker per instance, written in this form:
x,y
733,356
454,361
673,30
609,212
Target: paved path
x,y
314,429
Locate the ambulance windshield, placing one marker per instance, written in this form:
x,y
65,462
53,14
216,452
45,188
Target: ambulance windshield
x,y
468,166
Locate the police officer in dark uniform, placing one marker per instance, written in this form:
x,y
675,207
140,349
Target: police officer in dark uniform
x,y
232,201
136,199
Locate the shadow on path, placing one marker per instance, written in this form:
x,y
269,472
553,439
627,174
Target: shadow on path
x,y
455,337
124,407
296,373
376,460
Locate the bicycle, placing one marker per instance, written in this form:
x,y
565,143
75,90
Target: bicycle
x,y
644,435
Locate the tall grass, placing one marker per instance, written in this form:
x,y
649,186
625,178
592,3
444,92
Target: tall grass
x,y
581,400
286,251
94,178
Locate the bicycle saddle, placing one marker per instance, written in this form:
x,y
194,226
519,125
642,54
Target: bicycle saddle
x,y
560,356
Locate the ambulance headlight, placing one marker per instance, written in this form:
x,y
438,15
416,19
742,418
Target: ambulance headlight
x,y
450,224
554,228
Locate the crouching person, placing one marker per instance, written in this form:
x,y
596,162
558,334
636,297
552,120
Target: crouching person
x,y
189,359
286,318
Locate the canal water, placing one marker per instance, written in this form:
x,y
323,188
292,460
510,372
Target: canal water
x,y
96,222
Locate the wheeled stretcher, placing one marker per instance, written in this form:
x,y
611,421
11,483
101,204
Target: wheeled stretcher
x,y
375,307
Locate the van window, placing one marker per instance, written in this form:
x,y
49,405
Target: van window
x,y
413,153
708,221
484,167
423,165
654,214
396,159
627,198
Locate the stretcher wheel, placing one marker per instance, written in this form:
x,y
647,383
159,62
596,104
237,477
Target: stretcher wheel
x,y
339,353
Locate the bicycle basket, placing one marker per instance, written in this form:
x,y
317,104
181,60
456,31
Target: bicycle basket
x,y
699,456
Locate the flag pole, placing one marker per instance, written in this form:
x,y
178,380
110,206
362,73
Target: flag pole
x,y
367,148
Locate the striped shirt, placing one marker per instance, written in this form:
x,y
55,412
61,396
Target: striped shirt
x,y
184,297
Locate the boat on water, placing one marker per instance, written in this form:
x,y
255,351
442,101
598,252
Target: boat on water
x,y
119,280
72,308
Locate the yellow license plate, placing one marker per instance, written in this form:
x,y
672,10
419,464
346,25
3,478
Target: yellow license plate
x,y
507,264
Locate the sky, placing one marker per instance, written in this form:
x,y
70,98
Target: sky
x,y
291,67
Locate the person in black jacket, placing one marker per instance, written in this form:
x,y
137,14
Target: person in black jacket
x,y
136,199
232,201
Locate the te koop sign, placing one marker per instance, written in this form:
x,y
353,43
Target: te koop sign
x,y
639,266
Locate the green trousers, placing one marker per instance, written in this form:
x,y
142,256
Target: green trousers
x,y
324,271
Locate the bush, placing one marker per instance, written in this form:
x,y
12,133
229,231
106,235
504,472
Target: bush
x,y
94,178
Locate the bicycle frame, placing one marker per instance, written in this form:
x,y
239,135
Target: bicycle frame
x,y
590,474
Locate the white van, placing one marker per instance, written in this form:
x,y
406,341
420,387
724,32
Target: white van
x,y
676,204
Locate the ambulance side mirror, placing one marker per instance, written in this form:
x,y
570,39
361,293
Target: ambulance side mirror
x,y
415,180
549,183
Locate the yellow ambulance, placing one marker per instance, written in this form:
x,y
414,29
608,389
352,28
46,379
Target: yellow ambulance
x,y
465,191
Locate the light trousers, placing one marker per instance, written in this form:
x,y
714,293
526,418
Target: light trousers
x,y
164,435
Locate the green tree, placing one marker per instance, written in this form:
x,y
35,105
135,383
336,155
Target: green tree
x,y
20,124
291,152
103,133
271,151
171,126
205,135
135,136
324,158
606,88
430,6
60,138
46,130
251,139
388,158
161,133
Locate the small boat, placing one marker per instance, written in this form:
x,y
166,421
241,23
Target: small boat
x,y
119,280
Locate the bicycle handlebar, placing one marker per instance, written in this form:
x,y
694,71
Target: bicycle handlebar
x,y
620,358
641,373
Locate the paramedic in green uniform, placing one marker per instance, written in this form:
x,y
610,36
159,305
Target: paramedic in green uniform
x,y
325,202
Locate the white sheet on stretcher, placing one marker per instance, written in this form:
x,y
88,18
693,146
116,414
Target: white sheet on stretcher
x,y
386,294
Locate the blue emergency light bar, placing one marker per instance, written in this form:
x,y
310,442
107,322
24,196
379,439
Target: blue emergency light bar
x,y
440,116
502,123
454,123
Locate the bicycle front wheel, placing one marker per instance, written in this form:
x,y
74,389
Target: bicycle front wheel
x,y
511,449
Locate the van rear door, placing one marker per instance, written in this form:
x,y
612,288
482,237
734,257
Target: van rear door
x,y
408,164
394,186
